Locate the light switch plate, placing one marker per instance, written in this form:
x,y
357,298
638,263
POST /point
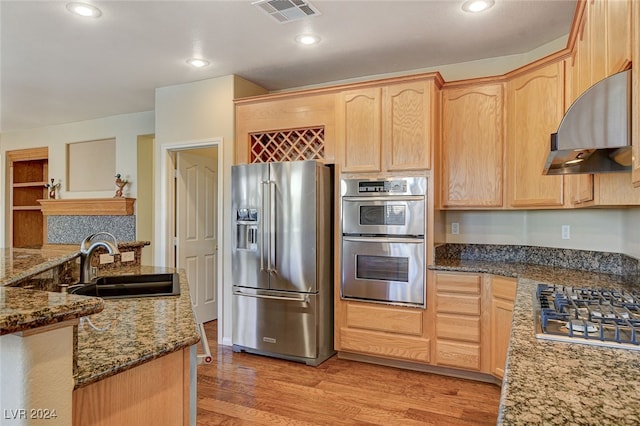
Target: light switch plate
x,y
106,258
127,256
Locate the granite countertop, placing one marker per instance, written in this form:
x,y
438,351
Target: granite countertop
x,y
17,264
554,382
113,335
22,309
131,331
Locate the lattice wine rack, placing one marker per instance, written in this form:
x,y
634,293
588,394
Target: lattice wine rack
x,y
287,145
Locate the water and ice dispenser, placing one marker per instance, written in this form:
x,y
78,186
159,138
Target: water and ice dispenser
x,y
247,229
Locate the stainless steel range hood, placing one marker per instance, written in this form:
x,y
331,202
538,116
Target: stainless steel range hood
x,y
594,135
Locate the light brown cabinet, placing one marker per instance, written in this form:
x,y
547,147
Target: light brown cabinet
x,y
602,49
502,297
388,127
28,171
619,35
360,129
154,393
458,319
466,326
635,96
578,79
293,124
384,331
472,146
535,109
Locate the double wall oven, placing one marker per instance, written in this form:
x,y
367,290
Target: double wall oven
x,y
383,240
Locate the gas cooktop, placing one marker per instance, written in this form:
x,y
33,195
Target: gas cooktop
x,y
602,317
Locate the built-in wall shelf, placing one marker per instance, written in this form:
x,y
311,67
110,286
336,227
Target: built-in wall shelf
x,y
28,173
88,207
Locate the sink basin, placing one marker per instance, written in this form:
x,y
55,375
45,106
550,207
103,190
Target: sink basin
x,y
127,286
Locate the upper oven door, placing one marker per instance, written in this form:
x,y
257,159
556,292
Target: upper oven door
x,y
384,215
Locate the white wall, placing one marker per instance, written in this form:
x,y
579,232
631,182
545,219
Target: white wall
x,y
631,229
124,128
472,69
193,113
37,373
590,229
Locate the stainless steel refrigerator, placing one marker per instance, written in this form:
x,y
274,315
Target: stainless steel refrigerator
x,y
282,266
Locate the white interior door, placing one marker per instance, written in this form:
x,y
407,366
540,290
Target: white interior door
x,y
196,227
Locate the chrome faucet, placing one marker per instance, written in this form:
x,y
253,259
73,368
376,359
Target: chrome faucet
x,y
86,274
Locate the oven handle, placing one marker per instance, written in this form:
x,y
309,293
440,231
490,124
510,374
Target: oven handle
x,y
408,240
394,198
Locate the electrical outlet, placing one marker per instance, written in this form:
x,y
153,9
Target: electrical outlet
x,y
566,232
455,228
127,256
106,258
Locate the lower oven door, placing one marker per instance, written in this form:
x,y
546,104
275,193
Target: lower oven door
x,y
386,269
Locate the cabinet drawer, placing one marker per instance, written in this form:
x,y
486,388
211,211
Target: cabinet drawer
x,y
503,288
458,328
385,318
458,283
458,304
457,354
385,345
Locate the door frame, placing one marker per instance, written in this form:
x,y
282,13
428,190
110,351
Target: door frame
x,y
165,206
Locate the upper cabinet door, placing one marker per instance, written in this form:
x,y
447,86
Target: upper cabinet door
x,y
535,109
407,126
619,35
359,129
635,96
597,19
472,146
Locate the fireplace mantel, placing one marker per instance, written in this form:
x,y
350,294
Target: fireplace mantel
x,y
88,207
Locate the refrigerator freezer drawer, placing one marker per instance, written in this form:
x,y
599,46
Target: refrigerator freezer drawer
x,y
276,323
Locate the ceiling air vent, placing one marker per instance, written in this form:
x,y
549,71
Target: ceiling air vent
x,y
287,10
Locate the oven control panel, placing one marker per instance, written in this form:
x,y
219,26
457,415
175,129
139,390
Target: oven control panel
x,y
391,186
385,187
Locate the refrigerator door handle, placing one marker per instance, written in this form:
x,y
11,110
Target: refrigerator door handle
x,y
302,298
264,222
271,265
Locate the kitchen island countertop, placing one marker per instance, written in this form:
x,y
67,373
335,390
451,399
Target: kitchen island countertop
x,y
23,309
131,331
554,382
113,335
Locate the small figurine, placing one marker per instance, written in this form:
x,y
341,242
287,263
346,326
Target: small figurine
x,y
52,188
120,184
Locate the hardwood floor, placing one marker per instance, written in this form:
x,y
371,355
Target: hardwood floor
x,y
239,388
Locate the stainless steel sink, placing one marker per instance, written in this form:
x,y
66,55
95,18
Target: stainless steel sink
x,y
127,286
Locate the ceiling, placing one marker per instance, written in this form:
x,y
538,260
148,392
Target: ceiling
x,y
58,68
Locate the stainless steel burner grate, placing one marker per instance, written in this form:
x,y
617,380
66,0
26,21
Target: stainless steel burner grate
x,y
602,317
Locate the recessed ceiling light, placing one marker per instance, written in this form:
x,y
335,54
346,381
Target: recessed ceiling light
x,y
477,5
84,9
308,39
197,62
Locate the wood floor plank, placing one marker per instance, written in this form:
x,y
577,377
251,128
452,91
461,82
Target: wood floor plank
x,y
246,389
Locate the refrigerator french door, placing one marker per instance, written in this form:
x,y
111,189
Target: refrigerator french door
x,y
281,261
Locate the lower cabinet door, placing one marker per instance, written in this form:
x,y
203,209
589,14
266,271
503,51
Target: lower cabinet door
x,y
458,355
